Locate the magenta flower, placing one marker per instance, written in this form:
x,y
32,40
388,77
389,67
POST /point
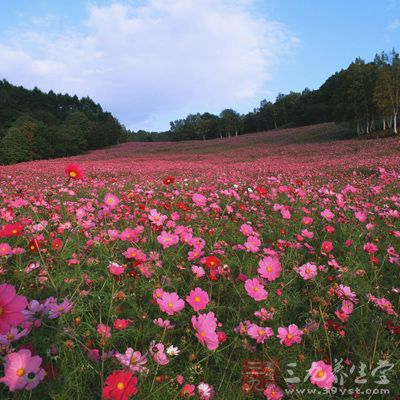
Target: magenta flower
x,y
170,303
308,271
55,310
269,268
11,307
290,335
22,371
199,200
104,330
255,289
259,333
205,326
5,249
273,392
321,375
167,239
156,350
198,299
115,269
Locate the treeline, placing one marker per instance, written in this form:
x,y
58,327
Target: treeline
x,y
37,125
365,96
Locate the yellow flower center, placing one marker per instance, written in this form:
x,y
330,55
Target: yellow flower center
x,y
197,299
14,231
110,201
134,360
202,334
120,386
170,305
60,309
320,374
256,289
289,336
261,332
72,174
269,269
20,372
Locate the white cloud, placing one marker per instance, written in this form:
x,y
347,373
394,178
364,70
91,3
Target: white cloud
x,y
167,57
394,25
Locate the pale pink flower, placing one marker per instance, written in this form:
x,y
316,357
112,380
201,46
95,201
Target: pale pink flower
x,y
134,360
199,200
252,244
156,218
321,375
308,271
259,333
11,308
167,239
327,214
111,200
255,289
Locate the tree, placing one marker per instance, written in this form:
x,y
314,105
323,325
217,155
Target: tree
x,y
231,122
14,147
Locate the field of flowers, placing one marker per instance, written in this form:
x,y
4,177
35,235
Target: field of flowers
x,y
263,266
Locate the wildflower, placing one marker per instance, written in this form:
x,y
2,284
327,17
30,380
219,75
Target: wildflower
x,y
170,303
22,371
321,375
273,392
74,171
212,262
156,218
187,390
205,391
120,385
116,269
11,308
168,180
55,310
290,335
104,330
111,200
327,214
259,333
326,247
252,244
269,268
255,289
121,324
167,239
172,351
166,324
134,360
12,230
370,248
157,352
199,200
308,271
198,299
205,326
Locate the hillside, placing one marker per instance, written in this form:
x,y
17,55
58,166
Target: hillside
x,y
310,150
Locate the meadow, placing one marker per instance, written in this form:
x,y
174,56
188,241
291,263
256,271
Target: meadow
x,y
260,266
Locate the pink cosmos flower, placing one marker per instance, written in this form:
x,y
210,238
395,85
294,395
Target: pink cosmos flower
x,y
306,220
104,330
255,289
11,307
327,214
370,248
198,271
252,244
156,218
321,375
206,391
269,268
5,249
22,371
134,360
205,326
273,392
170,303
308,271
259,333
55,310
167,239
326,247
247,230
198,299
110,200
116,269
199,200
156,350
290,335
345,293
166,324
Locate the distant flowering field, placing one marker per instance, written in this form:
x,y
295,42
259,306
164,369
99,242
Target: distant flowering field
x,y
233,271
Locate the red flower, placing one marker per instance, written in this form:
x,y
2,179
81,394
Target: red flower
x,y
120,385
34,245
212,262
56,244
11,230
168,180
74,171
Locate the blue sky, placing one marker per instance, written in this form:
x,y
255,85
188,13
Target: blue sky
x,y
153,61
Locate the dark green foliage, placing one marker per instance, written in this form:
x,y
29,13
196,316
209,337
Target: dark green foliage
x,y
48,125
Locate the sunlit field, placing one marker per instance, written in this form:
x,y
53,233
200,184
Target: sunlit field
x,y
262,266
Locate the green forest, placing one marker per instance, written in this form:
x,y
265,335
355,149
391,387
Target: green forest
x,y
37,125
